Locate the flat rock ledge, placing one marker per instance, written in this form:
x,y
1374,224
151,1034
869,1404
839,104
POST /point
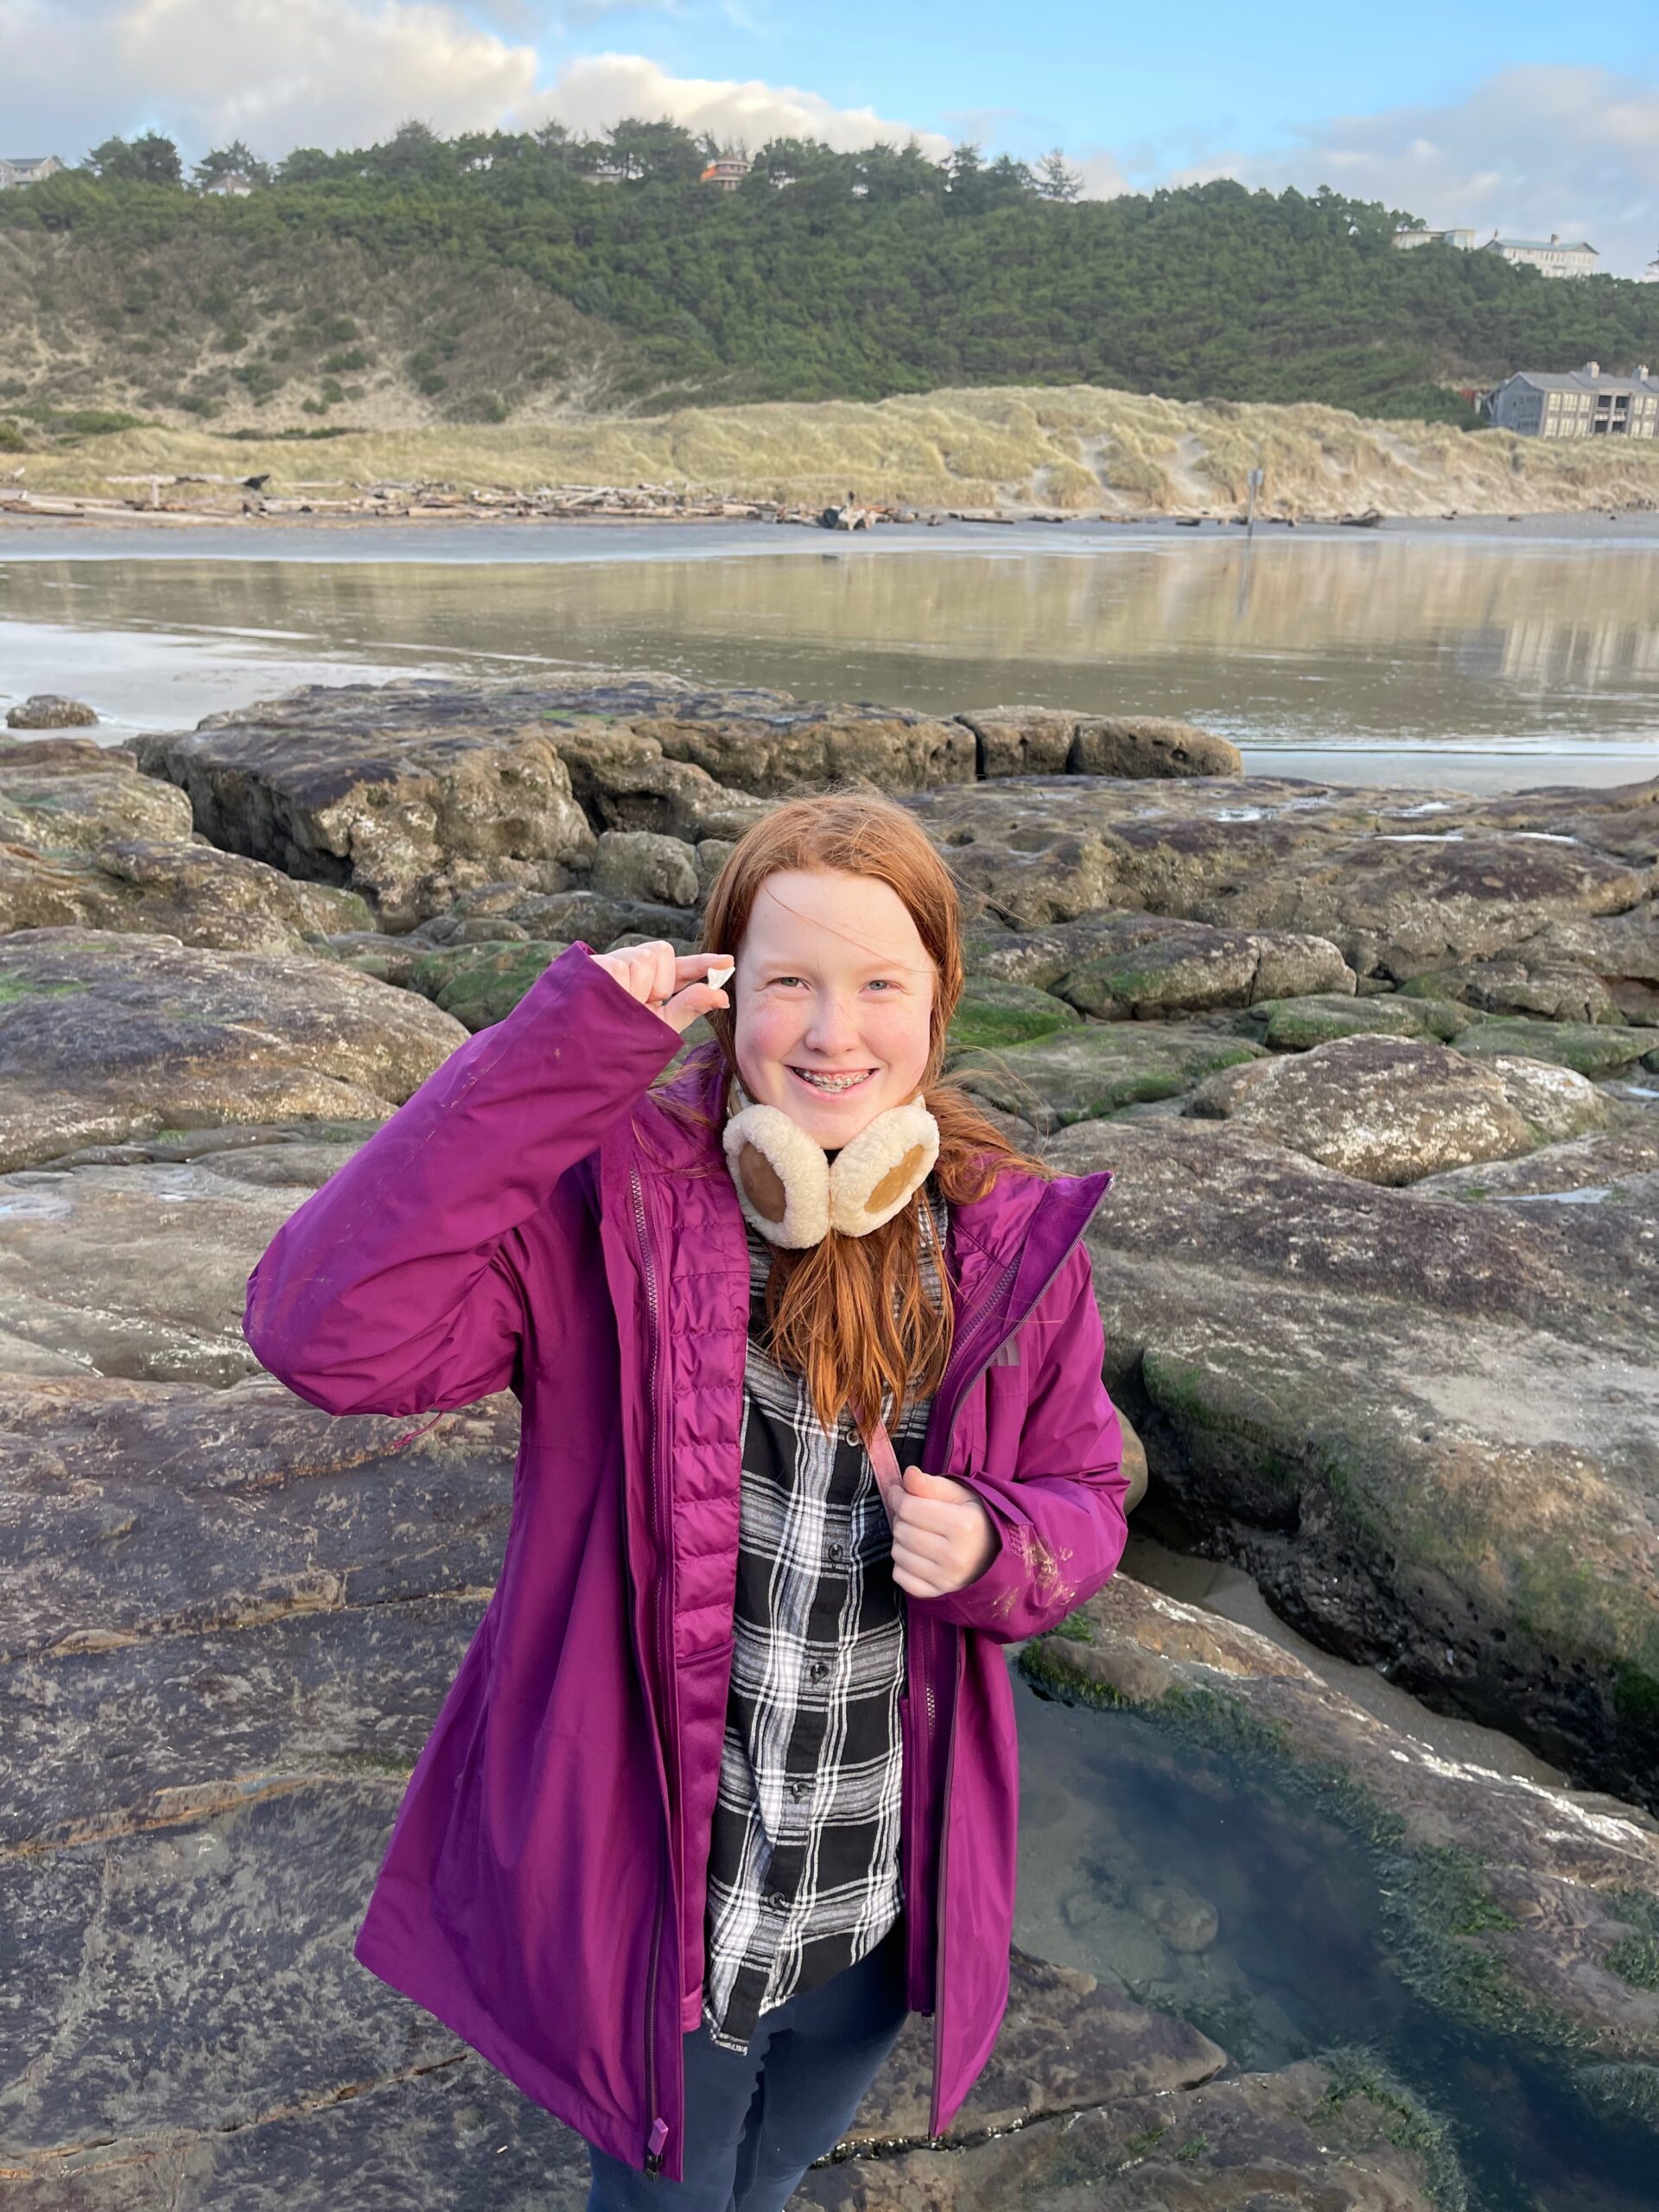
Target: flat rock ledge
x,y
106,1035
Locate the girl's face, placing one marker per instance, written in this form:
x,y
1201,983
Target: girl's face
x,y
833,994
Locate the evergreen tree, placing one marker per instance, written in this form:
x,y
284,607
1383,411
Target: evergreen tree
x,y
1055,178
234,160
150,160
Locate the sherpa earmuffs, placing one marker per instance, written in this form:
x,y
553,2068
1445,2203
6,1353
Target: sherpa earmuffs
x,y
794,1193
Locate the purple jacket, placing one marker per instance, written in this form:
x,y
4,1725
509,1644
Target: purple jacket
x,y
530,1219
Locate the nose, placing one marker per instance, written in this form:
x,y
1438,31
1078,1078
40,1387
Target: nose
x,y
832,1031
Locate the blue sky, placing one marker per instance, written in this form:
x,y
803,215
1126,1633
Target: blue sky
x,y
1486,116
1176,81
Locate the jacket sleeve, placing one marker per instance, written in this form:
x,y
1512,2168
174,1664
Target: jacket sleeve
x,y
391,1289
1060,1520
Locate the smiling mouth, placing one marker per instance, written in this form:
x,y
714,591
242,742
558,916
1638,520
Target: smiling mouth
x,y
832,1082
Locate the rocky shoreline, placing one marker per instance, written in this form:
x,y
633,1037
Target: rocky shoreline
x,y
1378,1076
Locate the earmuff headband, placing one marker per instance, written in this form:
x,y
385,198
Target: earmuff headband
x,y
793,1194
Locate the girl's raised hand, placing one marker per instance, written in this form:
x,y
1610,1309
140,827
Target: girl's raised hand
x,y
671,984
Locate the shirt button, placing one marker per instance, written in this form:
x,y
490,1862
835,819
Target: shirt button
x,y
834,1551
799,1790
819,1669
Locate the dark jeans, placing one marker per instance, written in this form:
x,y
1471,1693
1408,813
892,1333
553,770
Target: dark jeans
x,y
756,2120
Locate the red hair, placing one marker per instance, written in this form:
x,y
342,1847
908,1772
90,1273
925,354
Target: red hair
x,y
852,1313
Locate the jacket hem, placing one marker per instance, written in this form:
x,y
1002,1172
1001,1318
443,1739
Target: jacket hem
x,y
464,2017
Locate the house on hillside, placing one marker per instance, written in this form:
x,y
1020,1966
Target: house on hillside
x,y
1550,254
17,169
1464,241
231,185
1575,404
725,174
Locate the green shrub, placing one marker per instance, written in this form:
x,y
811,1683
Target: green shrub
x,y
12,439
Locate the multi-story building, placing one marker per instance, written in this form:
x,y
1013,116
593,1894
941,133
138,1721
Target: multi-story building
x,y
1554,258
19,169
1464,241
725,174
1575,404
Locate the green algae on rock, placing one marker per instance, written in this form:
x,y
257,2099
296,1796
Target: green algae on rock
x,y
1096,1068
991,1015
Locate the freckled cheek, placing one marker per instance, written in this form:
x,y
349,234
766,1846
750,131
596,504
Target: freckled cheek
x,y
769,1033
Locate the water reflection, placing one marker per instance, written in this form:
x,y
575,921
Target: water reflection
x,y
1347,640
1173,1871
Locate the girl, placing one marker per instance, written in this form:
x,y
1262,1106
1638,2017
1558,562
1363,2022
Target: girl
x,y
727,1782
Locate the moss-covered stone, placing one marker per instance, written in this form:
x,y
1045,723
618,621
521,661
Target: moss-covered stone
x,y
481,984
1299,1025
1084,1073
994,1015
1593,1049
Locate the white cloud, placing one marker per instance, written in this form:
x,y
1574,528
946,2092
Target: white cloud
x,y
593,91
282,73
1529,150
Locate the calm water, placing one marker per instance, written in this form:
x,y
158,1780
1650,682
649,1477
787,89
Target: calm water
x,y
1302,1962
1476,657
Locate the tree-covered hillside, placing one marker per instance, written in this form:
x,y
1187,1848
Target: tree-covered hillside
x,y
855,275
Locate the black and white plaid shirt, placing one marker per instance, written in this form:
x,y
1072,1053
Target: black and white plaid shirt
x,y
804,1858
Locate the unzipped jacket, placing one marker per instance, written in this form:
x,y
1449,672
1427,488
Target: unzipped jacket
x,y
535,1219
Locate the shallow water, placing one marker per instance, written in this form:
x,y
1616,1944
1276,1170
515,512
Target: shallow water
x,y
1470,659
1305,1959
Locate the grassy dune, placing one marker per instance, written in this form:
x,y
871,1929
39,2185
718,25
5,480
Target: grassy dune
x,y
1075,448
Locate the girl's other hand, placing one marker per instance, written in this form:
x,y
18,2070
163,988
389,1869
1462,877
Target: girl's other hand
x,y
669,983
942,1538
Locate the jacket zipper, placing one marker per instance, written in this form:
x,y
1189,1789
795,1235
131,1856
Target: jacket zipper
x,y
657,2135
984,1306
998,1290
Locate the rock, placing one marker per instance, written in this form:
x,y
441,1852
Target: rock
x,y
409,809
713,853
626,782
1555,1104
103,1037
1150,744
1340,2139
1295,1024
1022,741
638,865
788,747
1186,1921
1096,1068
1118,966
1563,895
594,918
49,710
191,892
1595,1052
1066,2039
991,1015
1586,1168
1426,1427
71,795
480,984
446,2131
139,1271
1391,1109
1548,1885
